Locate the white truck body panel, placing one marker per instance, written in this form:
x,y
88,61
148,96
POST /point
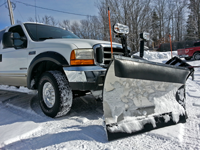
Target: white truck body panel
x,y
15,62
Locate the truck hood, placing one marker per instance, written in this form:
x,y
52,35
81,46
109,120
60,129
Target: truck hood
x,y
79,43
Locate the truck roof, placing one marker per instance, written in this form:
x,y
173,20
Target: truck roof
x,y
22,23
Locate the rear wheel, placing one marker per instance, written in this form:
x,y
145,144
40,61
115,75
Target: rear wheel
x,y
54,93
196,56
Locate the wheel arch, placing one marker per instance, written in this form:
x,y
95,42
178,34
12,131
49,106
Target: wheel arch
x,y
197,52
45,59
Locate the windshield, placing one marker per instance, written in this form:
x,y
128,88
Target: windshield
x,y
47,32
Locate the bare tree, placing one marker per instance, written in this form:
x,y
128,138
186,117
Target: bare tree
x,y
134,13
158,17
31,19
75,28
46,20
102,6
65,24
180,18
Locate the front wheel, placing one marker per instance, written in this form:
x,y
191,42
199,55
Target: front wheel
x,y
196,56
54,94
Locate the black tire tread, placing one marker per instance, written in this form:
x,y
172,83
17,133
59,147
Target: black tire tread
x,y
63,94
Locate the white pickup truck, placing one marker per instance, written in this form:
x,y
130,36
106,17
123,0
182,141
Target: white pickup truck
x,y
54,61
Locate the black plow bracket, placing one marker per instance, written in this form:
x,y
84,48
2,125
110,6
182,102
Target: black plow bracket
x,y
175,61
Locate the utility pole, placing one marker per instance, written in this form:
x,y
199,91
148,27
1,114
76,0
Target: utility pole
x,y
12,21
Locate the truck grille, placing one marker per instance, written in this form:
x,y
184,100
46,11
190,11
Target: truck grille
x,y
107,54
103,53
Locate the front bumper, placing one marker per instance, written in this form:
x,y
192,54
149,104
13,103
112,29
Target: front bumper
x,y
183,56
85,77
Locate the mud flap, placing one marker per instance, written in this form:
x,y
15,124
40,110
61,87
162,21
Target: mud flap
x,y
140,95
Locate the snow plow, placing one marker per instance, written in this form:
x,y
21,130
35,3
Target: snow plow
x,y
141,95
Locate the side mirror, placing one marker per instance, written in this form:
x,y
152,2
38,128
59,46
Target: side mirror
x,y
11,39
7,40
17,40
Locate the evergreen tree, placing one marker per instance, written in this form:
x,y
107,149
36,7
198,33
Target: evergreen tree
x,y
191,32
193,23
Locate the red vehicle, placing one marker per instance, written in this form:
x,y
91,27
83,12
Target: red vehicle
x,y
190,52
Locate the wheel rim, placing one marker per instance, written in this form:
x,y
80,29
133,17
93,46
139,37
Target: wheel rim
x,y
48,94
197,57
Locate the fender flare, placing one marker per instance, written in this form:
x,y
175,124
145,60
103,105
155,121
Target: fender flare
x,y
45,56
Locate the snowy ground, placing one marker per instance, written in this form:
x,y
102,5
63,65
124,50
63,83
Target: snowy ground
x,y
23,125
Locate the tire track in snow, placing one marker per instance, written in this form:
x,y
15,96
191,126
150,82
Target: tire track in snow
x,y
197,78
20,104
193,89
191,138
192,135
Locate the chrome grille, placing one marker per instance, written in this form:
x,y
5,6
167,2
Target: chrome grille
x,y
106,53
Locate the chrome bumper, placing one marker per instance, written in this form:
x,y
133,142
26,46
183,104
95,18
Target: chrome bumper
x,y
85,77
183,56
77,74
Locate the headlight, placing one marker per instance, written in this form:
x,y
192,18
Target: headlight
x,y
145,36
82,57
120,29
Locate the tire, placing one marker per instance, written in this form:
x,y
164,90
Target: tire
x,y
55,94
196,56
188,58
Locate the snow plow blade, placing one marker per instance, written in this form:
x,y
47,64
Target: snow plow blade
x,y
140,96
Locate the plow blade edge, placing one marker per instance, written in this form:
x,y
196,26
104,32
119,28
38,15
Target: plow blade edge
x,y
140,95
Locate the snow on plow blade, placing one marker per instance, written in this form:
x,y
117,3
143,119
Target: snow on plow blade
x,y
140,95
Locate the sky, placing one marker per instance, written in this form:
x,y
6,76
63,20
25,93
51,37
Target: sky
x,y
22,12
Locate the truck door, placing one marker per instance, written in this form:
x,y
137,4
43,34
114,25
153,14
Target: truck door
x,y
13,60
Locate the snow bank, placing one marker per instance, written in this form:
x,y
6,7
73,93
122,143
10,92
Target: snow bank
x,y
20,89
172,132
149,55
81,120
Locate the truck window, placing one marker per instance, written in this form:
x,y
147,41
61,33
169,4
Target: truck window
x,y
39,32
197,44
18,29
1,34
